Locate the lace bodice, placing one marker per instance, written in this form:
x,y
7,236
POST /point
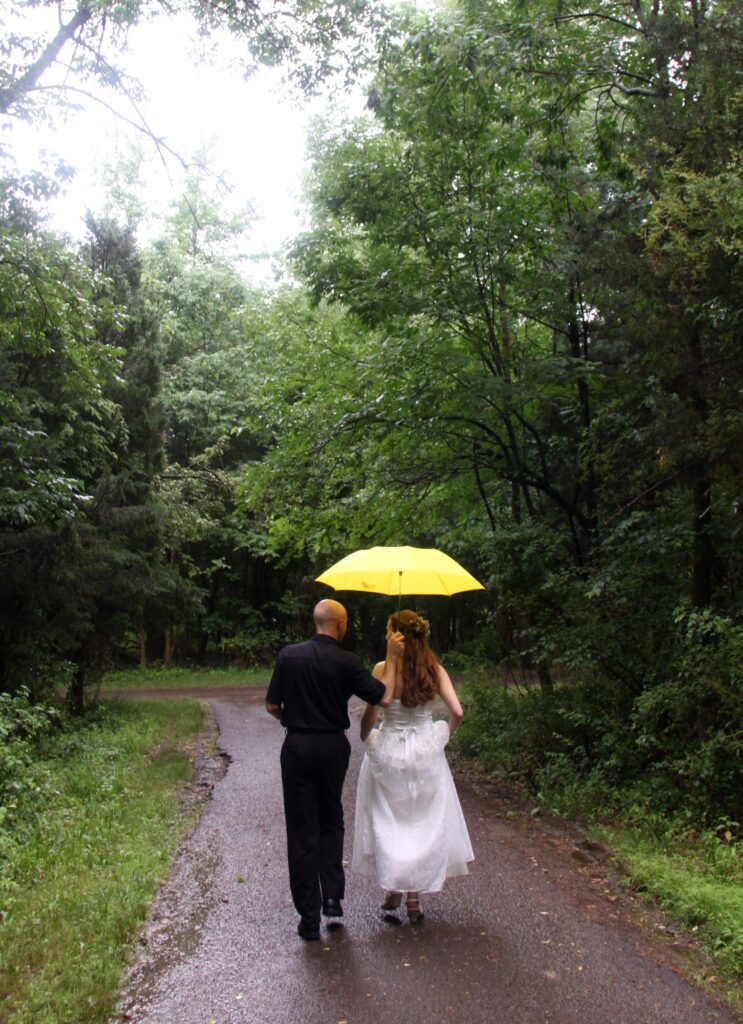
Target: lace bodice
x,y
397,716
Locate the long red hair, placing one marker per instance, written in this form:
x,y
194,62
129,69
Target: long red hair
x,y
420,674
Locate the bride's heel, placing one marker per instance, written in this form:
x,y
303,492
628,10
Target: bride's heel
x,y
392,901
413,907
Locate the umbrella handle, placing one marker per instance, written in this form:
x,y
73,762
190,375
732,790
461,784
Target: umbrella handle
x,y
399,600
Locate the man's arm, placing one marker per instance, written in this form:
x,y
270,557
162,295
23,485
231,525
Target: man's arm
x,y
275,692
368,719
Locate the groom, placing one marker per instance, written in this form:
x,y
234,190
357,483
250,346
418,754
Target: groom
x,y
309,693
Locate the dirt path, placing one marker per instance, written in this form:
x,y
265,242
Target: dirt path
x,y
533,936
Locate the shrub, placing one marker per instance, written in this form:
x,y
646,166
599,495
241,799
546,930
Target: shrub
x,y
597,745
690,725
23,725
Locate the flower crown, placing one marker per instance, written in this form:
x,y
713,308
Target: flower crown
x,y
415,627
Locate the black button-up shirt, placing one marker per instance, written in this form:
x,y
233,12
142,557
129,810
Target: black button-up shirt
x,y
313,682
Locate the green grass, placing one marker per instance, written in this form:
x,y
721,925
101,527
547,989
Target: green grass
x,y
79,883
191,678
698,879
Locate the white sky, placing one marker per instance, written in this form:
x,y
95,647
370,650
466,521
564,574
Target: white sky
x,y
255,131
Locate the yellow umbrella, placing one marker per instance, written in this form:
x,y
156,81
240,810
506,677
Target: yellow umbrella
x,y
399,571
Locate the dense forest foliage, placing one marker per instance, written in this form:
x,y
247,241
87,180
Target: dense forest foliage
x,y
514,334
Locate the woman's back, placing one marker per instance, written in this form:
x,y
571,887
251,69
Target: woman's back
x,y
397,716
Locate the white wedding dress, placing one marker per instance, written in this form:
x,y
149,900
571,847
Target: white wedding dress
x,y
410,833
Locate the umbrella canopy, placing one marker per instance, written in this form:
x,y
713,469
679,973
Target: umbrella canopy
x,y
398,571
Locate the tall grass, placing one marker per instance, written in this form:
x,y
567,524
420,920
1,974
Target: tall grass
x,y
78,883
697,877
159,678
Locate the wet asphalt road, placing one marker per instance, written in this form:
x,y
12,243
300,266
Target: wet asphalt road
x,y
529,937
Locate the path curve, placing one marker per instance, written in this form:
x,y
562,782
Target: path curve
x,y
530,937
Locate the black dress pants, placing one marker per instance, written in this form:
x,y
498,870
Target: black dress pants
x,y
313,769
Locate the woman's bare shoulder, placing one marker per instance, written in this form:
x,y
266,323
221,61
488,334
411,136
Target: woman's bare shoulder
x,y
443,675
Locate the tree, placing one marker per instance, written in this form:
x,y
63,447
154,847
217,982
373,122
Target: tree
x,y
453,226
213,331
85,494
116,568
57,429
62,54
540,235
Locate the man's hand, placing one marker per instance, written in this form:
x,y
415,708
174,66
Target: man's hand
x,y
274,709
396,646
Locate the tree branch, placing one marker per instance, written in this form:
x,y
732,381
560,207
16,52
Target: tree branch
x,y
140,126
633,90
599,15
27,82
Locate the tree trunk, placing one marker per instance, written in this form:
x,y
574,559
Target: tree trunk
x,y
75,698
169,644
578,351
545,678
703,552
203,644
210,609
142,647
515,502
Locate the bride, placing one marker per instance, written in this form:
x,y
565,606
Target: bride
x,y
410,832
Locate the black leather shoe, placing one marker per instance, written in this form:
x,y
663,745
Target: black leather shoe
x,y
332,908
308,930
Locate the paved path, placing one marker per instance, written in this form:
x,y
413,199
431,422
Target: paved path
x,y
529,938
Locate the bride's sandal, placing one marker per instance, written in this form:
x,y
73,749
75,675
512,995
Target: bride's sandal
x,y
392,901
413,907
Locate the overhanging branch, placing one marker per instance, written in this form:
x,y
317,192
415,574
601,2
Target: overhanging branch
x,y
27,82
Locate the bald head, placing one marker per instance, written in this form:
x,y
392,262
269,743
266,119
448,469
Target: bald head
x,y
330,618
